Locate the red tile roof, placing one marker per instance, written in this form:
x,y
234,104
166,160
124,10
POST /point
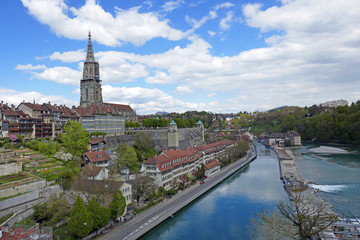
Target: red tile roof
x,y
92,171
212,164
9,112
118,107
51,107
19,234
32,106
164,161
103,108
97,156
96,140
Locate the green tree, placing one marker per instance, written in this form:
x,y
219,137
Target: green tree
x,y
100,215
59,208
117,205
80,222
128,159
75,139
48,148
142,141
41,212
98,134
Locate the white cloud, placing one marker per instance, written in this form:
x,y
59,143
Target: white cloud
x,y
169,6
211,33
183,90
312,47
128,26
224,5
224,22
61,75
69,56
146,101
16,97
119,67
197,24
30,67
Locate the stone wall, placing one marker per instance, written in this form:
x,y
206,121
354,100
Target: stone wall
x,y
10,168
27,200
23,188
188,137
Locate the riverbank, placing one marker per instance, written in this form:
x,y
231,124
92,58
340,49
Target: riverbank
x,y
294,183
149,219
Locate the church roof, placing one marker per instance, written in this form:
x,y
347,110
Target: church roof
x,y
118,106
103,108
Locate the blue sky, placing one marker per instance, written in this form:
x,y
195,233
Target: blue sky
x,y
181,55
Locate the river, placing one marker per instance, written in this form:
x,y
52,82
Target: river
x,y
337,176
225,212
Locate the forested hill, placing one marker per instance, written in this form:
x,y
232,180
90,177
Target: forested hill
x,y
323,124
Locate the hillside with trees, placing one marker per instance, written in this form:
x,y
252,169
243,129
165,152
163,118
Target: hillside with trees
x,y
316,123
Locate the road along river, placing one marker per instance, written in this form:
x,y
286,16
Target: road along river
x,y
226,210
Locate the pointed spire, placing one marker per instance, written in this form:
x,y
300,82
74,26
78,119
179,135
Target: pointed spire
x,y
90,53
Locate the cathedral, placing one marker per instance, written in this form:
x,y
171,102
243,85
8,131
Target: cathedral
x,y
90,84
95,115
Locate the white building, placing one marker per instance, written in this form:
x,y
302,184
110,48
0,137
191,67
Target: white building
x,y
171,164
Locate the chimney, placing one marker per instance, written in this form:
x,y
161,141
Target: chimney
x,y
11,232
12,107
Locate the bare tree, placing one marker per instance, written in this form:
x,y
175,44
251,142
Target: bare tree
x,y
309,216
271,226
301,218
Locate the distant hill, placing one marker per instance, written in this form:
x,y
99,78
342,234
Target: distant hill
x,y
161,113
276,109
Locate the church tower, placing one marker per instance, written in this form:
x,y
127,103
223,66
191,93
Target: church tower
x,y
90,85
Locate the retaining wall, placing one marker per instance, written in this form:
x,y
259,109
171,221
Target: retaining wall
x,y
27,200
10,168
188,137
23,188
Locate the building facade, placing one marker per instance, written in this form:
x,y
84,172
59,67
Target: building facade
x,y
170,165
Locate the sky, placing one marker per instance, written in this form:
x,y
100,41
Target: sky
x,y
181,55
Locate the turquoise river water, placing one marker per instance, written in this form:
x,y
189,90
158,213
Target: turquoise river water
x,y
225,212
337,177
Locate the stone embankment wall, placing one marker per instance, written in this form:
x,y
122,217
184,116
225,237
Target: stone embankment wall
x,y
23,188
188,137
27,200
10,168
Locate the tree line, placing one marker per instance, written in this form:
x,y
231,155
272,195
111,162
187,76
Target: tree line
x,y
317,123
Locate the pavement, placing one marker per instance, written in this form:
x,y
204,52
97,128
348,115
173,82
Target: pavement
x,y
149,219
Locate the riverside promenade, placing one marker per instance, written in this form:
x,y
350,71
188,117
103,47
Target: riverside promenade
x,y
149,219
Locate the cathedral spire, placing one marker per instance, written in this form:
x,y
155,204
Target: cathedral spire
x,y
90,53
90,85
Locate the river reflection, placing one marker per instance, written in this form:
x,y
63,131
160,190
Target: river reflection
x,y
225,212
